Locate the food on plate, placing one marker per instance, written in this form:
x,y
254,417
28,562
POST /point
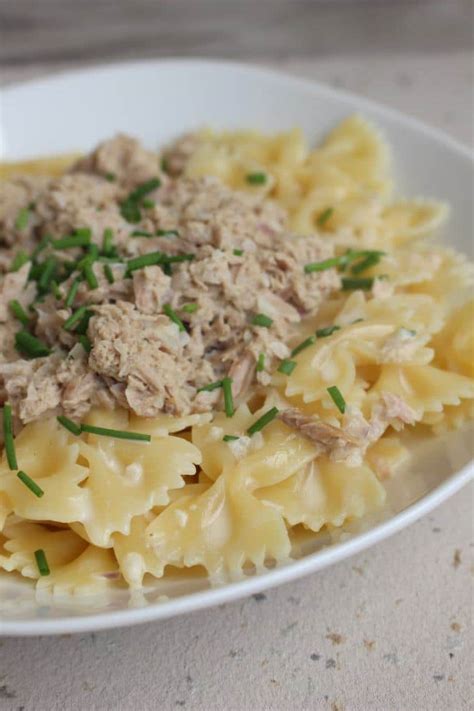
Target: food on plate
x,y
204,349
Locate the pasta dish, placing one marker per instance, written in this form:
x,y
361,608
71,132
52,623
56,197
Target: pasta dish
x,y
206,349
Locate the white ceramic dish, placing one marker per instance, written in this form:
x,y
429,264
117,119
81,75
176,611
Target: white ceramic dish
x,y
156,101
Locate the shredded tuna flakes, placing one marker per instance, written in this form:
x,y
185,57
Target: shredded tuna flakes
x,y
150,337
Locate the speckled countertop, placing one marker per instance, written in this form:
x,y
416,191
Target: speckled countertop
x,y
387,630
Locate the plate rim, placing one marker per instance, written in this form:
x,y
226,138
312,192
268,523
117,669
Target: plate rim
x,y
313,562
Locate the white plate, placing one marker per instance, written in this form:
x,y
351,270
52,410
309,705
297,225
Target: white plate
x,y
156,101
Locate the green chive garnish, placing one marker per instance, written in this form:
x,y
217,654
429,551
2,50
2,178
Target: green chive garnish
x,y
32,485
130,211
142,190
118,434
287,366
210,387
173,316
189,308
230,438
263,421
175,259
22,219
108,273
111,177
322,266
363,283
325,216
41,246
256,178
148,204
304,344
260,363
49,268
8,439
370,261
82,239
141,233
74,319
41,562
19,312
238,252
167,233
71,295
107,241
327,331
55,290
228,399
30,345
85,343
145,260
69,425
90,276
83,324
262,320
337,398
19,260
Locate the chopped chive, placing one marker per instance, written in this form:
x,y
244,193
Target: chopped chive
x,y
83,324
167,269
230,438
111,177
82,239
75,318
260,363
189,308
108,273
210,387
30,345
173,316
19,312
263,421
148,204
55,290
304,344
85,343
69,425
337,398
238,252
324,216
327,331
228,399
287,366
41,246
22,219
167,233
71,295
370,261
141,233
262,320
322,266
118,434
41,562
176,258
130,211
142,190
19,260
49,268
145,260
8,439
363,283
256,178
107,240
90,276
32,485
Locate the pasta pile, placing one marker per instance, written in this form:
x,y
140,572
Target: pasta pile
x,y
203,493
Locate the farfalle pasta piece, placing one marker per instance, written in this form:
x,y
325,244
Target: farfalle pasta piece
x,y
406,220
49,456
451,280
423,389
127,479
454,345
223,529
452,417
325,492
386,456
23,538
91,574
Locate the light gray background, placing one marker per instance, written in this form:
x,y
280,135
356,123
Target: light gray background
x,y
388,630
